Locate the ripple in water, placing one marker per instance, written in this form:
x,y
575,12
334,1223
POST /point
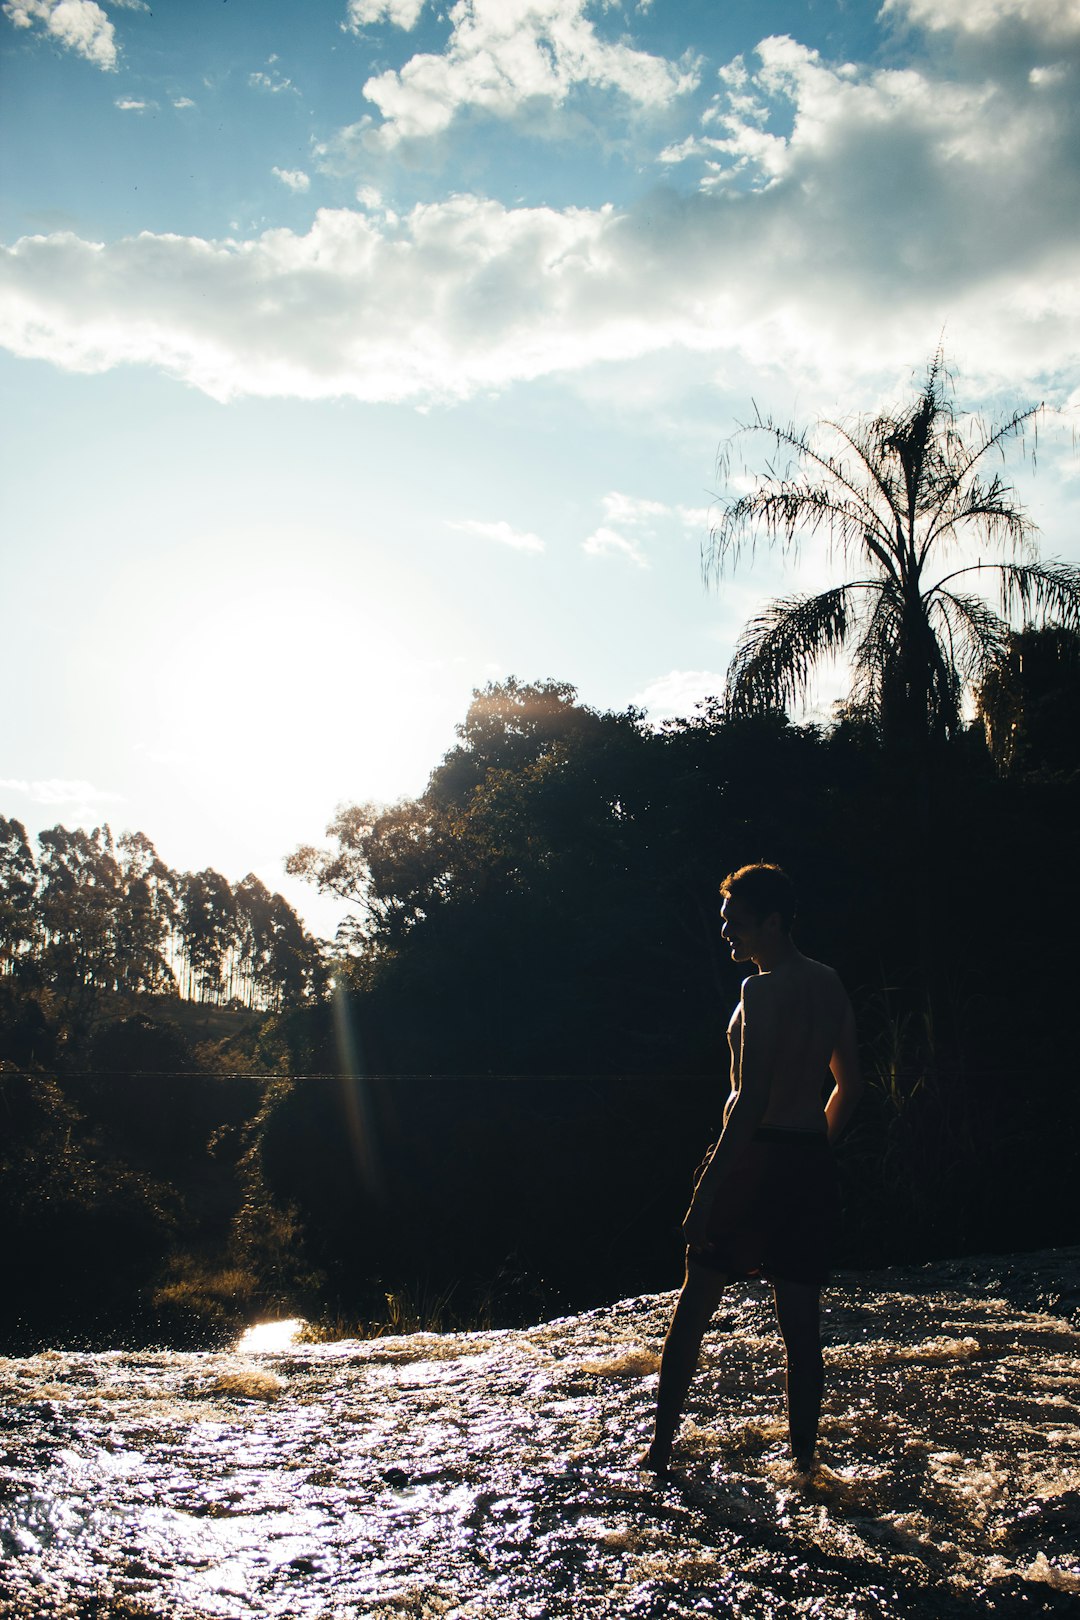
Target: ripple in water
x,y
491,1475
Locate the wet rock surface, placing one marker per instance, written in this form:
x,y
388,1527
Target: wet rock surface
x,y
492,1475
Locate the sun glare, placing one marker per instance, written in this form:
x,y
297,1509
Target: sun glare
x,y
264,1338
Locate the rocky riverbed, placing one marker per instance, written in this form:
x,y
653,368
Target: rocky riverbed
x,y
492,1475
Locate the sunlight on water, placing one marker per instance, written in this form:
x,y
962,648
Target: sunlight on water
x,y
491,1476
267,1337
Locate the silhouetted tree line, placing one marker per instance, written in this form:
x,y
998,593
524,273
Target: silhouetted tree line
x,y
88,915
523,1054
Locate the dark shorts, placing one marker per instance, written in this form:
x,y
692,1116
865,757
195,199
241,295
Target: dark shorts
x,y
776,1213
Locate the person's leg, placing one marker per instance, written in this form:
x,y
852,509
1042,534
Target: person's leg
x,y
798,1312
697,1301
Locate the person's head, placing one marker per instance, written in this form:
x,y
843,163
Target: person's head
x,y
758,908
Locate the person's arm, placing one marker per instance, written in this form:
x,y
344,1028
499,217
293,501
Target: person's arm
x,y
847,1073
745,1114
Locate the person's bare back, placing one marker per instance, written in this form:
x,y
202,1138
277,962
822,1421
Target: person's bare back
x,y
808,1009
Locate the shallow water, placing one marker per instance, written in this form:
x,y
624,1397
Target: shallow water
x,y
491,1475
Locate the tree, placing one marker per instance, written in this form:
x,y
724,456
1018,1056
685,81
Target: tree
x,y
145,917
1029,699
80,884
894,494
19,920
207,922
405,863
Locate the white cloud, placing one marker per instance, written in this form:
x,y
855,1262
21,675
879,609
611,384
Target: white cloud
x,y
605,542
631,509
182,102
504,55
644,519
128,104
78,25
402,13
57,790
295,179
679,692
1051,19
622,512
519,539
900,204
275,83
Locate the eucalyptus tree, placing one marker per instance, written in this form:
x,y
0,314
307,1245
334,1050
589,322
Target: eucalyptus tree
x,y
146,916
899,497
207,922
80,884
20,923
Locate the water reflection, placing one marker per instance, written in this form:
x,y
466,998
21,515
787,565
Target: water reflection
x,y
490,1475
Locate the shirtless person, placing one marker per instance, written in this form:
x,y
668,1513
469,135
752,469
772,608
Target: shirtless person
x,y
765,1200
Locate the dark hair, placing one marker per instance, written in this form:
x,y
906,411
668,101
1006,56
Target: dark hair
x,y
763,889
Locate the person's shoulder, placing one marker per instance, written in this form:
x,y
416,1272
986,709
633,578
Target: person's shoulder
x,y
822,971
830,986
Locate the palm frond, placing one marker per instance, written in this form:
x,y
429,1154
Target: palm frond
x,y
1047,590
783,503
977,636
992,507
780,510
776,653
1012,425
1050,590
877,650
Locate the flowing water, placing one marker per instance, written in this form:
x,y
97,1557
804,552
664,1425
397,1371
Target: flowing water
x,y
491,1475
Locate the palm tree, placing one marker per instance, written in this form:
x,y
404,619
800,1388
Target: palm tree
x,y
895,495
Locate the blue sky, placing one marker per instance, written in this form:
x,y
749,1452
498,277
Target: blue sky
x,y
355,353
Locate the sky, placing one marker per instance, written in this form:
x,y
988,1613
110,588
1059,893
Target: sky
x,y
355,353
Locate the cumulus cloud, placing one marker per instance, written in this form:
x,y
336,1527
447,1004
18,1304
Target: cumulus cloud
x,y
679,692
295,179
129,104
504,55
182,102
78,25
901,202
402,13
518,539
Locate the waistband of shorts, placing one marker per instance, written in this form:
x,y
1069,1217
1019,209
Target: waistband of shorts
x,y
781,1133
